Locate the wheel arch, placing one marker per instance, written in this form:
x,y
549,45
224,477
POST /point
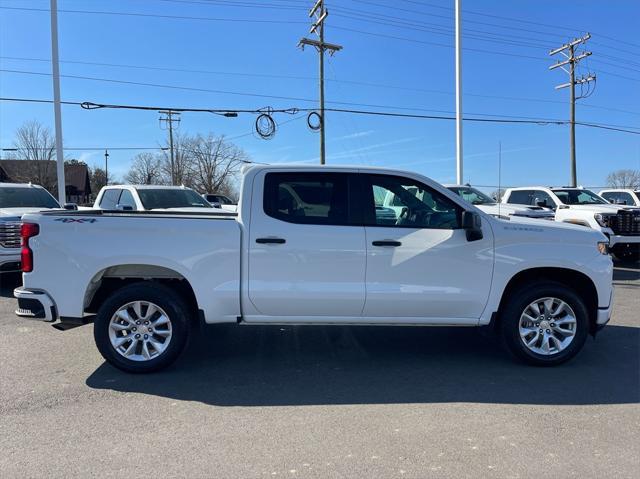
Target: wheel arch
x,y
114,277
576,280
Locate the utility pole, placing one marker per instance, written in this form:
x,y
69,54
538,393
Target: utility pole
x,y
320,13
106,167
459,162
168,119
55,64
568,50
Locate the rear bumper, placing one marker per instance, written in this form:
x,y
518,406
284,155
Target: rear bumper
x,y
35,305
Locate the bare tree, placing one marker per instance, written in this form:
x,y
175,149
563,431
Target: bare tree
x,y
182,161
35,144
146,169
215,162
624,179
98,179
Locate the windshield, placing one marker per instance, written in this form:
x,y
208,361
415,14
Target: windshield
x,y
17,197
473,196
579,197
171,198
223,200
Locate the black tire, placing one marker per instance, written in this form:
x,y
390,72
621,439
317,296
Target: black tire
x,y
516,304
158,294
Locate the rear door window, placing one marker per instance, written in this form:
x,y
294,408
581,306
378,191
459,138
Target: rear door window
x,y
110,199
520,197
309,198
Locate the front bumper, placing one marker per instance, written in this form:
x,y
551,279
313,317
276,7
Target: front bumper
x,y
619,239
10,262
35,305
604,314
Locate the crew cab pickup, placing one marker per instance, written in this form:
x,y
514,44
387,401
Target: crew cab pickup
x,y
150,197
492,207
619,223
17,199
314,245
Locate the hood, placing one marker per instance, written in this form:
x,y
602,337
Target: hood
x,y
598,208
190,209
508,209
18,212
551,227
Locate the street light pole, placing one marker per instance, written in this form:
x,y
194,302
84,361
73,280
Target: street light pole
x,y
459,162
55,63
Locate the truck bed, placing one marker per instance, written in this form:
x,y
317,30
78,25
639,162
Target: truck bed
x,y
79,248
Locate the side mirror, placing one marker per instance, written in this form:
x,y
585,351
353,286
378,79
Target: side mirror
x,y
70,206
620,202
215,204
472,224
120,207
541,203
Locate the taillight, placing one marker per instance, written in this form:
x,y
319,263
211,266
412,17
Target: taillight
x,y
27,230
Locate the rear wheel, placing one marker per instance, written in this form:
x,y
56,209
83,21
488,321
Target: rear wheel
x,y
142,327
544,324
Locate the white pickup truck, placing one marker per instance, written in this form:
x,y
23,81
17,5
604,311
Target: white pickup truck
x,y
150,198
490,206
619,223
313,245
16,199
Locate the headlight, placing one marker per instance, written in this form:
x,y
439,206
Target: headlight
x,y
603,247
602,219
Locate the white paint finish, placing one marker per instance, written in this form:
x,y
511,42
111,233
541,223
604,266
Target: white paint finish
x,y
205,251
433,274
318,271
318,276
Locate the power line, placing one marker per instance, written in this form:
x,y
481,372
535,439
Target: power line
x,y
154,15
332,80
514,120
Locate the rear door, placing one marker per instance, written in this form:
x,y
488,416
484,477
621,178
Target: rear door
x,y
306,252
419,261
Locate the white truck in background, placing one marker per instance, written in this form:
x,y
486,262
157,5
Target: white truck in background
x,y
493,207
314,245
622,196
619,223
221,201
150,198
16,199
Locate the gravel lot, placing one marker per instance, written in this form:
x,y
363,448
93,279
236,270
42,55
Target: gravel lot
x,y
321,402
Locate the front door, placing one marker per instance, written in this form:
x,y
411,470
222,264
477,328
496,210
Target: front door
x,y
419,261
305,260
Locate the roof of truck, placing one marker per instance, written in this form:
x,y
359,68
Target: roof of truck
x,y
19,185
149,187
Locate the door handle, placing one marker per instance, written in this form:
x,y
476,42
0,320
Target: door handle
x,y
387,243
271,240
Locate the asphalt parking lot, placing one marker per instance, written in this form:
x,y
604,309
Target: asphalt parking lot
x,y
321,402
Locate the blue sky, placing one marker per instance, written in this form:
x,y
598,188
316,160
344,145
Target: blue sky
x,y
403,62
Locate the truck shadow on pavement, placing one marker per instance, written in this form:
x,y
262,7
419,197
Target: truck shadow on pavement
x,y
308,365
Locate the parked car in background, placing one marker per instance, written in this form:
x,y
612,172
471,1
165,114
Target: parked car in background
x,y
621,196
17,199
150,198
221,201
314,245
621,224
492,207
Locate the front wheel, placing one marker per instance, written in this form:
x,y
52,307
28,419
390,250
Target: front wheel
x,y
544,324
141,328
